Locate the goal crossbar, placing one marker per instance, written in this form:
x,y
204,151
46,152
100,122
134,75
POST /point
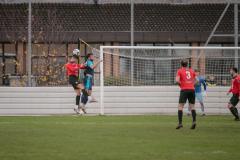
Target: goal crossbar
x,y
168,47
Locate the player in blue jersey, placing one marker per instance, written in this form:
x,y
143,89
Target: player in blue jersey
x,y
198,90
88,78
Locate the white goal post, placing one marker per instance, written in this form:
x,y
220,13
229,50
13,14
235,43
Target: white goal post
x,y
117,71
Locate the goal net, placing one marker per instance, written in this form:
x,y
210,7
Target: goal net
x,y
142,79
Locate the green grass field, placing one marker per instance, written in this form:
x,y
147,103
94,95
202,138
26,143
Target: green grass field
x,y
118,138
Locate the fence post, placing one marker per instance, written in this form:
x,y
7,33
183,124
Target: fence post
x,y
29,54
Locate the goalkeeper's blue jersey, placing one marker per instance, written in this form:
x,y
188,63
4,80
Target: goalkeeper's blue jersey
x,y
198,86
88,65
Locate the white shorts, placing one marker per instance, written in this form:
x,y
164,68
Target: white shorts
x,y
199,96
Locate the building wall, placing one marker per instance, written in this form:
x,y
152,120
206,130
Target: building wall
x,y
48,60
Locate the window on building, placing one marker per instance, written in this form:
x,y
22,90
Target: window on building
x,y
10,58
48,64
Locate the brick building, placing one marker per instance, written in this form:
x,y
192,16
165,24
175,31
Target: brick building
x,y
57,26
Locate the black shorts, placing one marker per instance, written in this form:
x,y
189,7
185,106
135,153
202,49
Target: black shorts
x,y
187,95
73,80
234,100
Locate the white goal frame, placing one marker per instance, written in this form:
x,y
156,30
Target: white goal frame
x,y
147,47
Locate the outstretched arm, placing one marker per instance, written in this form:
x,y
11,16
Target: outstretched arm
x,y
81,66
96,64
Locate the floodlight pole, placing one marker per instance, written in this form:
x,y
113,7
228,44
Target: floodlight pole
x,y
236,33
132,41
29,53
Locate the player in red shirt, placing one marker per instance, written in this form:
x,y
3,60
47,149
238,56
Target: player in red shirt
x,y
186,79
72,68
235,90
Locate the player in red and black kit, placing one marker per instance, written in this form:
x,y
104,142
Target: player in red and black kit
x,y
235,90
72,71
186,79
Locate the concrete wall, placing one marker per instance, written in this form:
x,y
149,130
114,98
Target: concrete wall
x,y
118,100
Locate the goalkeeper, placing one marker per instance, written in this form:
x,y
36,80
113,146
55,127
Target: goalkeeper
x,y
88,79
200,81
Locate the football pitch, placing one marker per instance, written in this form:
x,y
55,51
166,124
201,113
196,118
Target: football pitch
x,y
118,138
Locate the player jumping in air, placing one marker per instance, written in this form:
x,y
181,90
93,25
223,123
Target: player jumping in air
x,y
186,80
235,90
88,79
72,71
91,99
198,90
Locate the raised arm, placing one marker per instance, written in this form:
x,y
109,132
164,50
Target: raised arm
x,y
96,64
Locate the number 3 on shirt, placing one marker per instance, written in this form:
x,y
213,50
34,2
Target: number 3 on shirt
x,y
188,74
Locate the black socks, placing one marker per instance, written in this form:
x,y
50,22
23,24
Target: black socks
x,y
194,115
180,114
84,99
234,111
77,100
